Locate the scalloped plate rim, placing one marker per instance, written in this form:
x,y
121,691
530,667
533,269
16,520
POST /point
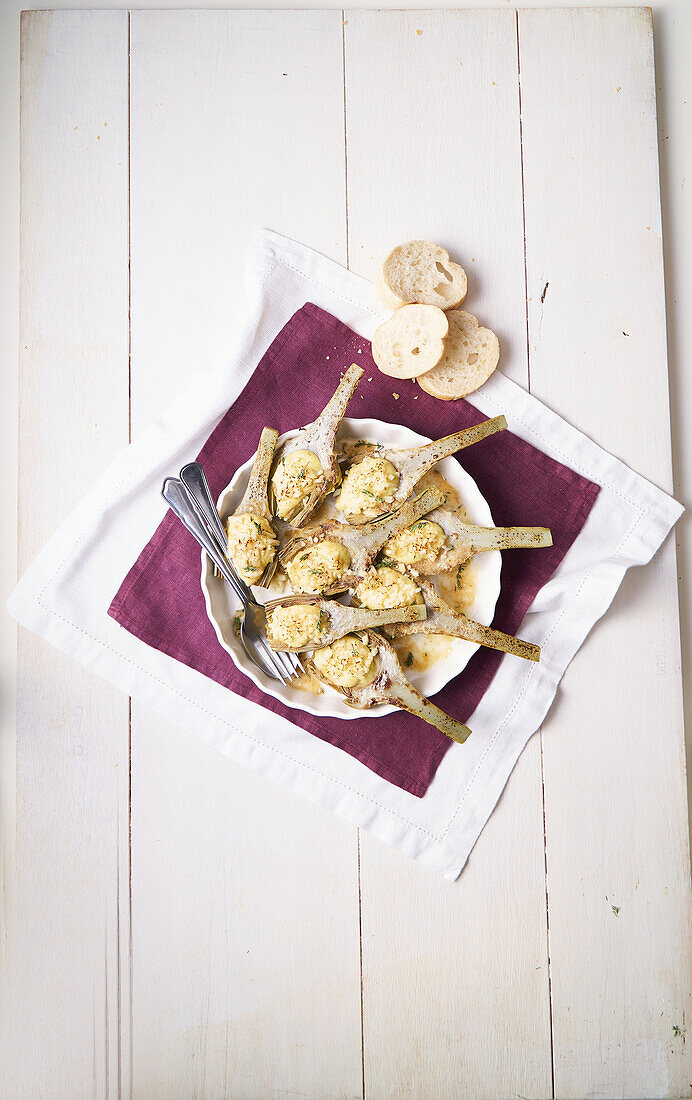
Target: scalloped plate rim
x,y
487,567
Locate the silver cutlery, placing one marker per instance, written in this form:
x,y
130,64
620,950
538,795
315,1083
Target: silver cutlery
x,y
195,481
195,509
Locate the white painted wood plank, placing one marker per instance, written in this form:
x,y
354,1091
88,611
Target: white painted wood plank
x,y
614,772
237,124
245,928
65,979
456,998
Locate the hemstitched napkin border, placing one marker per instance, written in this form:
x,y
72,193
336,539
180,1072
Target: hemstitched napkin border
x,y
67,603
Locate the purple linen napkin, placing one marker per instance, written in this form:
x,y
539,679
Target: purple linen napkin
x,y
160,600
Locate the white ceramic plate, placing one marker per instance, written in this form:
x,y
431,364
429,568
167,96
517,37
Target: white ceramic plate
x,y
222,604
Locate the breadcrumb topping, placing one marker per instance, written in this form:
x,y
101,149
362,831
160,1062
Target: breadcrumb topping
x,y
251,545
424,539
317,567
368,488
295,477
347,662
386,587
295,625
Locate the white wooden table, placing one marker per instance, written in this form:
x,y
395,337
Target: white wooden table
x,y
175,926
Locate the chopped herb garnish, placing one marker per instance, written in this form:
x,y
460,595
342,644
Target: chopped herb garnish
x,y
368,493
319,621
460,571
304,556
409,660
417,526
258,526
236,622
678,1031
384,562
616,909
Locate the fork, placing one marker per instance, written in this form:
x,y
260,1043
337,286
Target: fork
x,y
198,518
195,481
253,626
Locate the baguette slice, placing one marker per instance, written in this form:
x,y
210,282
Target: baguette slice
x,y
411,341
470,357
418,271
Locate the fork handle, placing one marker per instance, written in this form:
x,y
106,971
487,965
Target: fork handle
x,y
195,482
178,499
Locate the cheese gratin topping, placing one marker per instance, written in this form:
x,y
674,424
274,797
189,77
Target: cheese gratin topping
x,y
251,545
368,487
346,662
295,625
318,567
295,477
424,539
387,587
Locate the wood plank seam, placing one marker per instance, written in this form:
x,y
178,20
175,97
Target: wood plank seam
x,y
130,1029
540,731
359,878
362,989
343,65
129,1022
129,238
523,207
547,919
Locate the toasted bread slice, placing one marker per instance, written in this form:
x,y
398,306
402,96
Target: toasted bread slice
x,y
411,341
470,357
420,272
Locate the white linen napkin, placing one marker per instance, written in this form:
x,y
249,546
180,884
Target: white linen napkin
x,y
65,594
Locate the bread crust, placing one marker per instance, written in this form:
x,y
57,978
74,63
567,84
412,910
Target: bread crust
x,y
420,272
471,355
